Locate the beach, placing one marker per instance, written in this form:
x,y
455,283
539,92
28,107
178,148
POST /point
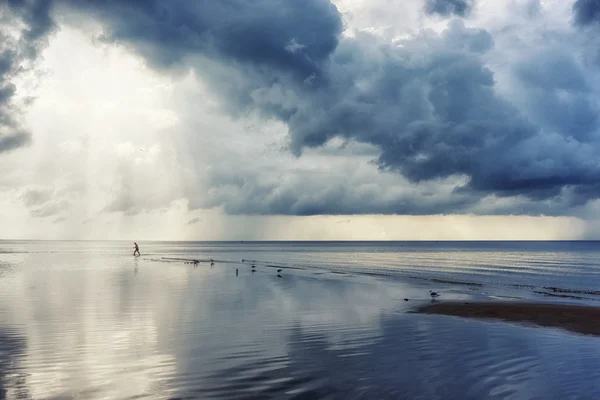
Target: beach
x,y
90,321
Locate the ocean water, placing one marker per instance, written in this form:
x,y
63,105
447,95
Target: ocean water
x,y
87,320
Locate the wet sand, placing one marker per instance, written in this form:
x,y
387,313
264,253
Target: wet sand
x,y
574,318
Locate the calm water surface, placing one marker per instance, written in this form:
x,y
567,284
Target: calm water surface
x,y
89,321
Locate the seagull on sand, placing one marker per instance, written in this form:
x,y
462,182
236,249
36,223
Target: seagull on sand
x,y
433,294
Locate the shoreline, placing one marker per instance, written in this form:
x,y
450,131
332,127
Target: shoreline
x,y
574,318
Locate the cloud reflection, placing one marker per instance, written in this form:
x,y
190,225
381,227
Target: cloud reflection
x,y
83,323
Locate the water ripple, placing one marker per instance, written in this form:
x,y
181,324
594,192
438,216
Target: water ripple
x,y
86,322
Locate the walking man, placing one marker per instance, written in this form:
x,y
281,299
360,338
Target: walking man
x,y
137,249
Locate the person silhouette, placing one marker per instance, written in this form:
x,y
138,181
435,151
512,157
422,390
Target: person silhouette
x,y
137,249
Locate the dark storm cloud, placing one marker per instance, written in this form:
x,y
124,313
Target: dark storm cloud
x,y
428,103
35,14
586,12
546,77
32,19
295,36
448,7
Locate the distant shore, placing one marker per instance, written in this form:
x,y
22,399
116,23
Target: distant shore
x,y
574,318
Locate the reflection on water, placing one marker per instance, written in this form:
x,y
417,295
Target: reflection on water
x,y
106,326
12,349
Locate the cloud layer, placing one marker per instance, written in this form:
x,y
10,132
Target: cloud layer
x,y
23,29
437,107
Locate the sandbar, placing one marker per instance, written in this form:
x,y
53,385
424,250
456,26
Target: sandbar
x,y
575,318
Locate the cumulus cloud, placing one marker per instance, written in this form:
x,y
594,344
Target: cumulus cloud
x,y
294,36
427,102
448,7
24,25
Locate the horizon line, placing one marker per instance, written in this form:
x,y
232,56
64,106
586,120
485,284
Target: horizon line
x,y
300,241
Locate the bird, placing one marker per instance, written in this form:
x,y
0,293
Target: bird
x,y
236,272
433,294
253,269
242,260
405,299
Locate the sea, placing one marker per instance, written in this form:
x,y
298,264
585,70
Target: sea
x,y
289,320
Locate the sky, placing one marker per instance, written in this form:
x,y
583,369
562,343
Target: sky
x,y
300,119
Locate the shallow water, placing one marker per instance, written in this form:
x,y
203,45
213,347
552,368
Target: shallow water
x,y
87,320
